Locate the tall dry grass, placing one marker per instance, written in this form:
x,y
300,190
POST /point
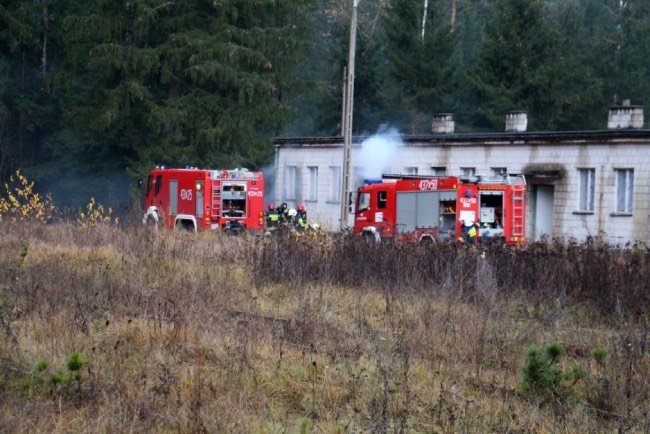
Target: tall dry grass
x,y
207,333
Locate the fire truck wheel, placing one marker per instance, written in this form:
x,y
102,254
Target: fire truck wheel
x,y
426,241
152,221
369,237
184,225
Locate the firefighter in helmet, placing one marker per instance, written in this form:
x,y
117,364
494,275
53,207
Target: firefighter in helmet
x,y
272,217
469,232
230,209
291,215
283,212
300,219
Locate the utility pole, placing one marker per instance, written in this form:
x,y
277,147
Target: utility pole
x,y
344,101
348,105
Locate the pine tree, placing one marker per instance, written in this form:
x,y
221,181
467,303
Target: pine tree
x,y
626,43
192,82
579,97
22,108
419,58
329,59
519,66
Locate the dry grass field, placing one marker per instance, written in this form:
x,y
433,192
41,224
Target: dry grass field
x,y
110,328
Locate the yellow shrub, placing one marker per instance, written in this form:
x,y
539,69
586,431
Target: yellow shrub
x,y
95,214
19,201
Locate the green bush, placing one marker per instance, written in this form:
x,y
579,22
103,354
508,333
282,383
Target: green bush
x,y
600,388
543,376
75,362
42,365
57,381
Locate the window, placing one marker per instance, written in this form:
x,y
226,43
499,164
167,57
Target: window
x,y
291,178
587,190
358,173
468,171
439,171
624,190
149,182
313,183
499,172
411,170
335,186
381,200
364,202
158,184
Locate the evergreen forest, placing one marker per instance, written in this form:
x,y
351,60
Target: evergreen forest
x,y
95,93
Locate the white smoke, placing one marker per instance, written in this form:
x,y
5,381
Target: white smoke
x,y
269,184
378,153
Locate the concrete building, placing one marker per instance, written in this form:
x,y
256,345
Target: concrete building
x,y
580,183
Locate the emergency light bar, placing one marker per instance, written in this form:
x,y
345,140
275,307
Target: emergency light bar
x,y
234,174
400,176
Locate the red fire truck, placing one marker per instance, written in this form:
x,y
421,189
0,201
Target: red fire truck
x,y
434,208
201,199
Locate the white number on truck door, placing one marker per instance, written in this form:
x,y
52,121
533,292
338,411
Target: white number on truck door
x,y
186,194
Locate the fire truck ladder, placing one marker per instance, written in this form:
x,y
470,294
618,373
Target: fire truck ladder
x,y
518,210
216,198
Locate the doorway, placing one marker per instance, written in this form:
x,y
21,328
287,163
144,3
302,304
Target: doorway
x,y
543,196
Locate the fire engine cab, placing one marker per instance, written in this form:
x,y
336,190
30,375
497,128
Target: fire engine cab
x,y
201,199
435,208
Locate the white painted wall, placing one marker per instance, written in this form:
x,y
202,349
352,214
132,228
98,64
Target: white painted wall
x,y
604,157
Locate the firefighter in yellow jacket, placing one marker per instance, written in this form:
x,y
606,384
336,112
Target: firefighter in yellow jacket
x,y
301,219
272,218
469,233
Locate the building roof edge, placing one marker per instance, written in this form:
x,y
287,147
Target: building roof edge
x,y
464,138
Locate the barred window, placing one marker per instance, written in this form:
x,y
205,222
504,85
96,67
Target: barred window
x,y
624,190
313,183
587,189
335,186
411,170
291,179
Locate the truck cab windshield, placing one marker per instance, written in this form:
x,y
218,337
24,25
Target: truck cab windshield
x,y
363,202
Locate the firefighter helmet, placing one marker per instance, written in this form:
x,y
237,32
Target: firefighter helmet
x,y
300,208
271,206
292,212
